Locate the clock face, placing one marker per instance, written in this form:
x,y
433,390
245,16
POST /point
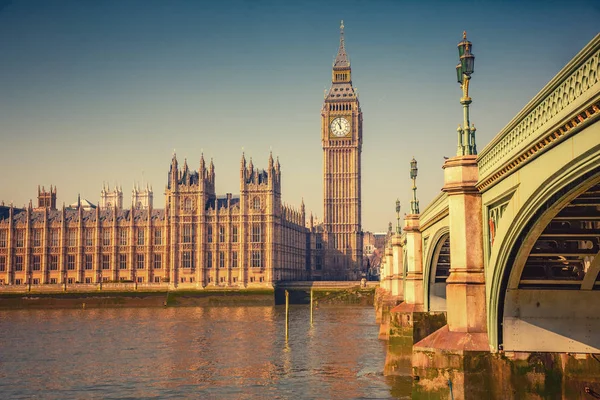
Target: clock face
x,y
339,127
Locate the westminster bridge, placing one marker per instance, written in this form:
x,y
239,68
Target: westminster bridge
x,y
509,251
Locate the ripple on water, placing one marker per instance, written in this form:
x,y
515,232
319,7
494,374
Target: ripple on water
x,y
218,352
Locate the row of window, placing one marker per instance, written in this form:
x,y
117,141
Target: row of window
x,y
138,279
88,237
187,236
255,259
36,281
88,261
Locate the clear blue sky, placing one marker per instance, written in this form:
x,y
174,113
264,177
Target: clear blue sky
x,y
94,91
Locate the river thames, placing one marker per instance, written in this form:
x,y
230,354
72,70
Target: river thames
x,y
193,352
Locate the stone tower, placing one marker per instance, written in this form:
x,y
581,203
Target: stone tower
x,y
47,199
110,199
141,199
341,136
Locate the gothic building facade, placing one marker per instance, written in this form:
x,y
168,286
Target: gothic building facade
x,y
202,239
198,239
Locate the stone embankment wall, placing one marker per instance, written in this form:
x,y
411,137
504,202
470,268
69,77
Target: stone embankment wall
x,y
126,295
352,296
154,295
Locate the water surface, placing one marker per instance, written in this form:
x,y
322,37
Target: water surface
x,y
195,352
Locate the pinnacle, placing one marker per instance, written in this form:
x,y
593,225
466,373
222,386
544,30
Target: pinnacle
x,y
341,60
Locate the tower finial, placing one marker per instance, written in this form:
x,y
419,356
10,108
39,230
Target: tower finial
x,y
464,34
342,27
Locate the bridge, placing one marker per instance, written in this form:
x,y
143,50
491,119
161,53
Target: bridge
x,y
307,285
509,250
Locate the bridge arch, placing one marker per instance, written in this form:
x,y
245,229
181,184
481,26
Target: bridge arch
x,y
436,270
538,292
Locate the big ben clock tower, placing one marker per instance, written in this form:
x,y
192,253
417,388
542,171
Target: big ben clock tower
x,y
341,136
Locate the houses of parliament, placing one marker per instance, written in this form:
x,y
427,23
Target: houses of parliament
x,y
202,239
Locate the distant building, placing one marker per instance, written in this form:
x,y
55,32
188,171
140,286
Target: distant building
x,y
85,204
373,247
46,199
110,199
142,199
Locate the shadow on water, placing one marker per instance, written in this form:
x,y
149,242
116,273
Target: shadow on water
x,y
297,296
493,376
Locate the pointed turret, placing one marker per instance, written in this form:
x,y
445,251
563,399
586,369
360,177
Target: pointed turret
x,y
173,173
250,167
341,60
202,166
243,168
211,172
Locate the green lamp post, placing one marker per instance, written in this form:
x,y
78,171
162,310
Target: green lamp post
x,y
414,204
464,69
398,228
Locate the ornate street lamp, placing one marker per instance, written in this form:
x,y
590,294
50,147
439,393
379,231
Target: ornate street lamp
x,y
398,228
414,204
464,69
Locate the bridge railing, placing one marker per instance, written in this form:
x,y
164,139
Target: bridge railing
x,y
566,102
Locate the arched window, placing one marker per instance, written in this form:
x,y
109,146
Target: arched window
x,y
187,204
256,203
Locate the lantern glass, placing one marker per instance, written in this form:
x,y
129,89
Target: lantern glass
x,y
467,61
413,169
459,73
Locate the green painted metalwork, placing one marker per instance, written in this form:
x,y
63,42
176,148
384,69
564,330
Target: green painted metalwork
x,y
579,79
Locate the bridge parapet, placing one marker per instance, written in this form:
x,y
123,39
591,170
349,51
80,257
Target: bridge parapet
x,y
435,211
569,101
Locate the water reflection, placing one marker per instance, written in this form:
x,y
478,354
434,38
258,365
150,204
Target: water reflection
x,y
195,352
